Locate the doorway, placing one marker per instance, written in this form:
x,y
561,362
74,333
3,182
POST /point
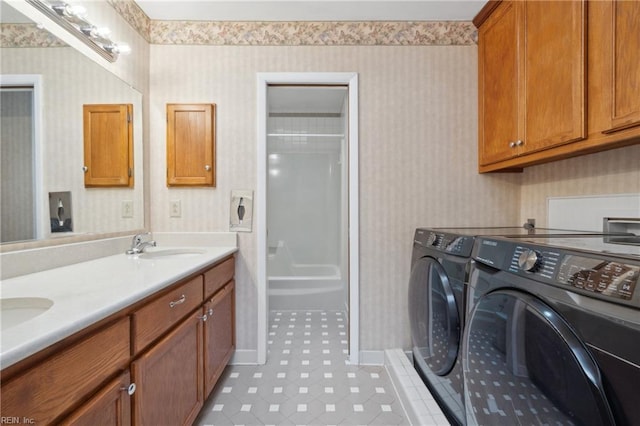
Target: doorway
x,y
21,194
307,203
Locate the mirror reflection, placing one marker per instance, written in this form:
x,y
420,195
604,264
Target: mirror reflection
x,y
43,156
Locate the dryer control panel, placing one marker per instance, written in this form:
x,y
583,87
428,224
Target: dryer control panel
x,y
607,277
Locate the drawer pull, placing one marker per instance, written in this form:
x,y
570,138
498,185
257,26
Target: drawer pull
x,y
131,389
177,302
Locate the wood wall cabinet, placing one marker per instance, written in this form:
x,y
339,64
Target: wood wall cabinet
x,y
532,62
108,145
614,69
191,144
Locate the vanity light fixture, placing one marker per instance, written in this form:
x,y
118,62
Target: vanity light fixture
x,y
74,19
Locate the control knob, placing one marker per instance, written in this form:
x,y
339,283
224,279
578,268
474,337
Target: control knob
x,y
529,260
433,240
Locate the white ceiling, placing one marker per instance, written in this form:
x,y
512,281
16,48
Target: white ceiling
x,y
312,10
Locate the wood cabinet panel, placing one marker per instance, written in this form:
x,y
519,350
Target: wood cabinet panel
x,y
191,144
46,391
625,89
169,377
155,318
498,84
219,335
218,276
110,407
554,73
108,145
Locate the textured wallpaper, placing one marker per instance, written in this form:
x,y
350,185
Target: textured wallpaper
x,y
417,158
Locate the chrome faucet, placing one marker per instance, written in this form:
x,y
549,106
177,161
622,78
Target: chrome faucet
x,y
138,245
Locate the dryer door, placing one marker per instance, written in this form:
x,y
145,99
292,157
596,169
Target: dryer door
x,y
435,324
523,364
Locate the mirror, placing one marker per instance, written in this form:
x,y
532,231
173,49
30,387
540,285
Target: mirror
x,y
67,81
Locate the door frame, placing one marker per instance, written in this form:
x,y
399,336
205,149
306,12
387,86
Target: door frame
x,y
42,227
351,81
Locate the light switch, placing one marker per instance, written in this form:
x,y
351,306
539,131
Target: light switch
x,y
127,208
175,208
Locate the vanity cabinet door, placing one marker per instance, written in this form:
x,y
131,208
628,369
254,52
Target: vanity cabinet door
x,y
51,388
169,377
191,144
110,407
219,335
108,145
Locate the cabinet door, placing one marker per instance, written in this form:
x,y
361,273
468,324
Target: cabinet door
x,y
169,378
219,334
110,407
108,145
49,389
191,144
498,84
554,58
625,56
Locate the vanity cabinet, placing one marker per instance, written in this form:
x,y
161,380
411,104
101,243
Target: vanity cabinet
x,y
110,407
108,145
219,334
49,389
169,375
170,346
191,144
532,62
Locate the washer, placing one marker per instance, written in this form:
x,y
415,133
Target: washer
x,y
440,267
553,332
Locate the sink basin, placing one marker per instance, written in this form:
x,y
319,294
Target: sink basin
x,y
16,310
170,254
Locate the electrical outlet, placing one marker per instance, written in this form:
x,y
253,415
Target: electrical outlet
x,y
175,208
127,208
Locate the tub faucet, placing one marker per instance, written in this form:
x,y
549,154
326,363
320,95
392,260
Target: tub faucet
x,y
138,245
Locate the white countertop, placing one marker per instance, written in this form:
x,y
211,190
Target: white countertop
x,y
87,292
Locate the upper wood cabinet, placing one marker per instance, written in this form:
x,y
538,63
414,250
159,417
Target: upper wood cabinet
x,y
191,144
108,145
532,62
614,68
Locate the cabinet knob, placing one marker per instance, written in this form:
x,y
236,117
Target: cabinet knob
x,y
85,169
207,167
131,389
512,144
210,311
203,318
519,143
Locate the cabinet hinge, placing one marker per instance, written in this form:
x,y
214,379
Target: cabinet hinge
x,y
130,172
128,118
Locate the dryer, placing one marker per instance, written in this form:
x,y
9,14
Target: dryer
x,y
440,265
553,332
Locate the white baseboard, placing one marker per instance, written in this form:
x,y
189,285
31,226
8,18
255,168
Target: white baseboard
x,y
371,357
244,357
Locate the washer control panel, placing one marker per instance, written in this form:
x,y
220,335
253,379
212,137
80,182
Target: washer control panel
x,y
607,277
538,261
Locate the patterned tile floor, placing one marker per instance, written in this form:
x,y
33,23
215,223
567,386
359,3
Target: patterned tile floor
x,y
306,380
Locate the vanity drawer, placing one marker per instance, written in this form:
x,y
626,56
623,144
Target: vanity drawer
x,y
152,320
44,392
218,276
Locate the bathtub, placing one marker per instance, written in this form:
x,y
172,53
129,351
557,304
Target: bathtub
x,y
315,287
